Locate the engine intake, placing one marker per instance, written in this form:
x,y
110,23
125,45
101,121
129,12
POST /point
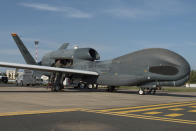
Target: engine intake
x,y
87,54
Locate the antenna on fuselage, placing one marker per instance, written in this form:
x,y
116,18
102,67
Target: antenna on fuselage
x,y
76,47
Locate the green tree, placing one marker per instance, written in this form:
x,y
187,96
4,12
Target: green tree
x,y
192,77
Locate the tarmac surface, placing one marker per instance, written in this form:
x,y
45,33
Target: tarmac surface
x,y
26,108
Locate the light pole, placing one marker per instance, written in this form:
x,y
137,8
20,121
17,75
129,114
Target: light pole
x,y
36,51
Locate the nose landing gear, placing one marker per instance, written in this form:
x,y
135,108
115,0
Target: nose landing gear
x,y
143,91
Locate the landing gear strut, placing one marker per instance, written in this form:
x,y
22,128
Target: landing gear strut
x,y
57,82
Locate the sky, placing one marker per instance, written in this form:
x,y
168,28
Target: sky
x,y
112,27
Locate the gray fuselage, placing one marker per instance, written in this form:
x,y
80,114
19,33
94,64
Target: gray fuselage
x,y
148,67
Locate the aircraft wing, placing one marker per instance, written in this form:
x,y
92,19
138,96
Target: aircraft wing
x,y
47,68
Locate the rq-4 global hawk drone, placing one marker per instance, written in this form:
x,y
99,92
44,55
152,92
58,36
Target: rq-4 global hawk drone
x,y
149,69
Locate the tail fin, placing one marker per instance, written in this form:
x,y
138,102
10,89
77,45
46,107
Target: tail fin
x,y
24,51
64,46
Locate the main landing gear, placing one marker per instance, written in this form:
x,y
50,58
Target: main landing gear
x,y
83,85
111,88
56,82
143,91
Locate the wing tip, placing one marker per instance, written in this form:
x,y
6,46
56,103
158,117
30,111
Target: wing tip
x,y
13,34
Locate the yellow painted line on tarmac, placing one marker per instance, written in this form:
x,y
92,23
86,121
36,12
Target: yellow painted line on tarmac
x,y
193,106
174,115
161,119
192,111
39,112
155,108
152,113
136,107
149,117
176,109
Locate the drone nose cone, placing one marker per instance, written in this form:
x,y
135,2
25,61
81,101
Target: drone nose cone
x,y
184,68
170,65
180,63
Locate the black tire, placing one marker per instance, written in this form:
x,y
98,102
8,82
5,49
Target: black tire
x,y
82,85
21,83
57,88
111,88
90,86
76,87
154,91
150,91
96,87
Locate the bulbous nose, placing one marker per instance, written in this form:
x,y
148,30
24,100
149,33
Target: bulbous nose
x,y
180,63
184,68
169,65
176,61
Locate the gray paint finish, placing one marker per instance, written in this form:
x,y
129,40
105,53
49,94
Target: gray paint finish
x,y
147,67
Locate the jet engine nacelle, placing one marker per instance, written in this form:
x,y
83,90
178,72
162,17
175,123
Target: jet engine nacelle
x,y
87,54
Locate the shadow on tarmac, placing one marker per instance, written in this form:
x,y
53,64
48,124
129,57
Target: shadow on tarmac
x,y
159,94
71,90
175,95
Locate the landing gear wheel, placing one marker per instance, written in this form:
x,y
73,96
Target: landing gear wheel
x,y
90,86
55,88
21,83
17,83
58,87
96,87
154,91
150,91
82,85
111,88
76,87
141,91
